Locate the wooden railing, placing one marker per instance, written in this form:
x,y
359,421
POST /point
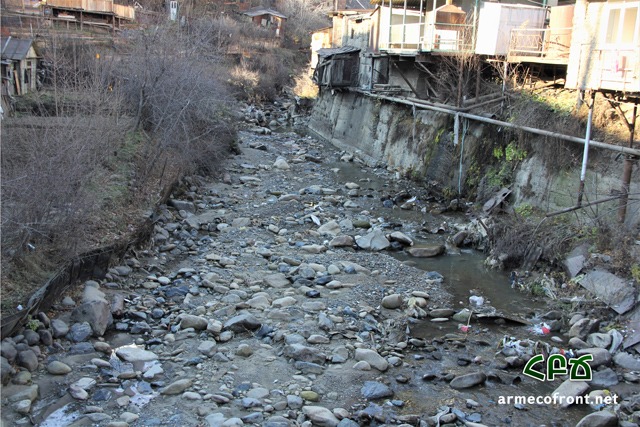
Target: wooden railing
x,y
98,6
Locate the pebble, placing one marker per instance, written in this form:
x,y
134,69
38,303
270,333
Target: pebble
x,y
58,368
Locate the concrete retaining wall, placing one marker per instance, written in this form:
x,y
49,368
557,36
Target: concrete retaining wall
x,y
420,144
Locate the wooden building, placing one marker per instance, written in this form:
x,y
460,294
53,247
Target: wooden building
x,y
19,66
605,49
267,18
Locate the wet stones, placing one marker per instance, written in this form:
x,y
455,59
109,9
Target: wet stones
x,y
135,354
58,368
191,321
374,241
468,380
392,301
177,387
242,322
570,389
426,251
373,390
320,416
28,360
95,310
372,358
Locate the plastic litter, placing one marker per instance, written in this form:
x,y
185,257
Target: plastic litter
x,y
540,329
476,301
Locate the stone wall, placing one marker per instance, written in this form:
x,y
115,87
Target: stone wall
x,y
419,143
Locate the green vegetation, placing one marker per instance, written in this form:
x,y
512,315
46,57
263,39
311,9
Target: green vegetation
x,y
635,272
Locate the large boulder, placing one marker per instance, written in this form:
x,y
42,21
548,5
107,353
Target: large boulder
x,y
95,310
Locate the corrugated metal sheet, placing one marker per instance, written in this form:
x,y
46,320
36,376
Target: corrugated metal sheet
x,y
329,52
15,49
263,11
411,3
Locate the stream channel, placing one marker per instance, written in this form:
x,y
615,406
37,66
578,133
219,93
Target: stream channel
x,y
465,274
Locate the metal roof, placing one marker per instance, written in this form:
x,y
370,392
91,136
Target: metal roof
x,y
15,49
359,4
329,52
257,11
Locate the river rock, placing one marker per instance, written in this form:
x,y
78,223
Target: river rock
x,y
23,407
191,321
319,416
599,419
426,251
28,360
27,393
58,368
374,241
79,332
468,380
342,241
331,228
294,402
599,340
304,353
400,237
5,371
601,356
313,249
59,328
242,322
281,163
372,358
95,310
177,387
392,301
570,389
583,327
135,354
207,348
627,361
375,390
442,312
8,351
277,280
458,239
604,378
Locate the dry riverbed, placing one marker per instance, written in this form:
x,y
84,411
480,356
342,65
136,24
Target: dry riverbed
x,y
252,307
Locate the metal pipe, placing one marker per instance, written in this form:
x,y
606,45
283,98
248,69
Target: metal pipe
x,y
585,153
404,25
425,105
626,171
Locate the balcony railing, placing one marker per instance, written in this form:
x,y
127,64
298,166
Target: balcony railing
x,y
616,69
540,44
448,38
98,6
402,37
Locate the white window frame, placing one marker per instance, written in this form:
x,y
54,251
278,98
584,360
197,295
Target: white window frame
x,y
622,7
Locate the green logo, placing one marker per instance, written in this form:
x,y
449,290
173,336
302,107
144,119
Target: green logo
x,y
577,368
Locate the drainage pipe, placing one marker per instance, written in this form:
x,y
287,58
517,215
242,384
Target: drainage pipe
x,y
426,106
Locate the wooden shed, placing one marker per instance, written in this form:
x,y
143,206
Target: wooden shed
x,y
338,67
19,66
267,18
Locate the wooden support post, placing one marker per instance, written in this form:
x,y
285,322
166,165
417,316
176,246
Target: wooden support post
x,y
628,168
406,80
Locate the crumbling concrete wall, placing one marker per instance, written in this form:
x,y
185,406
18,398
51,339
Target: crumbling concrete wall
x,y
421,144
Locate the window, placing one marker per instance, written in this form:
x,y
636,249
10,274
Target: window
x,y
623,24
